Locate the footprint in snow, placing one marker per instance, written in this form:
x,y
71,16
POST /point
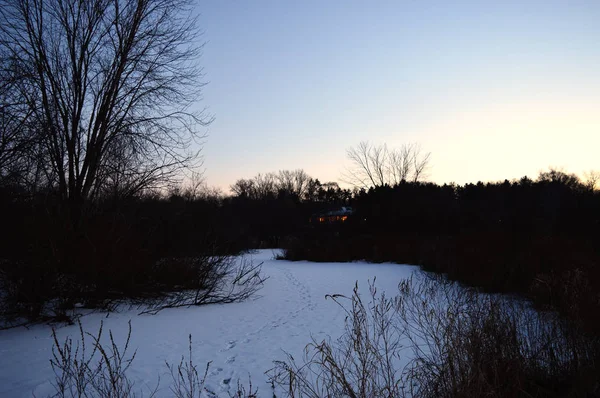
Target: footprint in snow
x,y
230,359
216,371
229,346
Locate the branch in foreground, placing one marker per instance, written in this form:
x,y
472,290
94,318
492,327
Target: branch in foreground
x,y
221,279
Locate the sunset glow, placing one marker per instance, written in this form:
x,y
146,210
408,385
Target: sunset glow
x,y
493,90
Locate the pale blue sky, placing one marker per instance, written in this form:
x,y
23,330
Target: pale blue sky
x,y
494,89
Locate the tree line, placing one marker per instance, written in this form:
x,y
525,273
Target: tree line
x,y
537,238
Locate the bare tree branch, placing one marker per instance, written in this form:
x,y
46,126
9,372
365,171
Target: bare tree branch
x,y
108,86
592,179
373,166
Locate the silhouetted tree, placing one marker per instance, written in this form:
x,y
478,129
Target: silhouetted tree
x,y
292,182
265,186
376,165
592,179
106,87
285,183
559,177
243,188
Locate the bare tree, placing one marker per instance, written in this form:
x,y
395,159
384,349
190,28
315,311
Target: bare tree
x,y
194,187
23,158
368,165
293,182
108,84
285,181
211,193
301,181
400,164
420,162
9,138
269,185
592,179
243,187
559,176
265,186
261,186
15,137
376,165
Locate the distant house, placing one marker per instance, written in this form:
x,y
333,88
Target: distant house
x,y
334,216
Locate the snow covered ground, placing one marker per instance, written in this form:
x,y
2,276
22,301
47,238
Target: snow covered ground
x,y
240,339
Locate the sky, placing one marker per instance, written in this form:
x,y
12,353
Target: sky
x,y
493,89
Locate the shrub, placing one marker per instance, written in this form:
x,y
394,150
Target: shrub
x,y
437,339
140,253
362,363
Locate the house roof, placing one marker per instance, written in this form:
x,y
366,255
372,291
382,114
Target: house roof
x,y
342,211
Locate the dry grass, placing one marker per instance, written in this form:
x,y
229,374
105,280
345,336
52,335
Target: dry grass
x,y
437,339
99,369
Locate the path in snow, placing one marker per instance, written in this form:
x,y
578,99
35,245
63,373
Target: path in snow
x,y
240,339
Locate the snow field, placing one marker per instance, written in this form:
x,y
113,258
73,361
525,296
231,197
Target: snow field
x,y
242,339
